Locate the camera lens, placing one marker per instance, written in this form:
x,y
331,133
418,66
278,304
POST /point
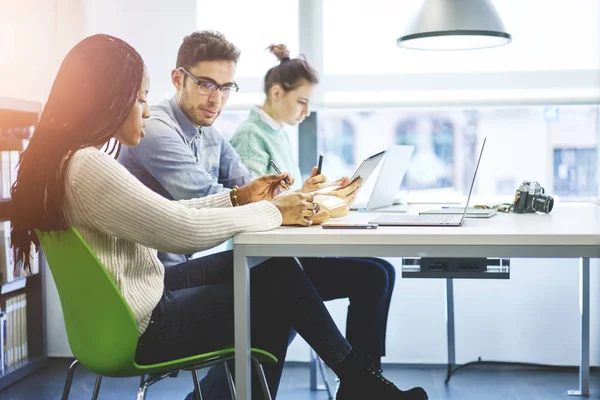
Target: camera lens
x,y
542,203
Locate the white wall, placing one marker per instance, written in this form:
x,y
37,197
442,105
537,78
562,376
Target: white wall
x,y
532,317
154,27
35,35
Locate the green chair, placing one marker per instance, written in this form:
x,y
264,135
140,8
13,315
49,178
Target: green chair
x,y
102,332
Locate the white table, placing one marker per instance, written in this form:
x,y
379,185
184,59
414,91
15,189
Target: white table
x,y
570,231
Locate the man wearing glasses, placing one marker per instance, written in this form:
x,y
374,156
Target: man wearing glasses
x,y
182,157
182,154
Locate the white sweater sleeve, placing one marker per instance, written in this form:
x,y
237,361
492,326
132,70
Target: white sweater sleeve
x,y
115,202
217,200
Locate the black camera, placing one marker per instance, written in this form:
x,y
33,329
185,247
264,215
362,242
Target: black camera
x,y
531,197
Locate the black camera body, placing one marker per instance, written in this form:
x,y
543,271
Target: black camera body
x,y
530,197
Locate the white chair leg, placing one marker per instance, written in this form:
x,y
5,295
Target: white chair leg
x,y
142,391
316,367
312,368
321,365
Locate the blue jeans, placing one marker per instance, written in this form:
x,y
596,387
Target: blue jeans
x,y
195,314
368,283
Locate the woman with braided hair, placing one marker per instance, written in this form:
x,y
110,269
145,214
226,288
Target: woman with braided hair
x,y
66,180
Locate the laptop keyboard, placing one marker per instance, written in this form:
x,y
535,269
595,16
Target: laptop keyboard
x,y
421,218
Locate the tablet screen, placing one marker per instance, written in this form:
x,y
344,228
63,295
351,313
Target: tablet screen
x,y
367,167
364,171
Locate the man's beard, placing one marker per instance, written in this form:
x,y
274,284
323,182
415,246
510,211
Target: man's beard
x,y
191,113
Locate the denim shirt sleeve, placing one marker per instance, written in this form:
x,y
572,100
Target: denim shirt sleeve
x,y
173,164
231,169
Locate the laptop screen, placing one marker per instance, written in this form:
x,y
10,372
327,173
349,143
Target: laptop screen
x,y
473,182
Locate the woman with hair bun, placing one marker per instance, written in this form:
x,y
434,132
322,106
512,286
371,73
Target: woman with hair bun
x,y
367,282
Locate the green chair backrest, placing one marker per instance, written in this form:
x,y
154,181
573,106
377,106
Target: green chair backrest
x,y
102,331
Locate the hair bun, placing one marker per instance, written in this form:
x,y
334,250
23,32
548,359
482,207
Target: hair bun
x,y
280,51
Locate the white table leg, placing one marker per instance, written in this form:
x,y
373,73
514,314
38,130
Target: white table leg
x,y
584,307
241,307
451,340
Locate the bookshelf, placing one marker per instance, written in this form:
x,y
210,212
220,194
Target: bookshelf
x,y
17,119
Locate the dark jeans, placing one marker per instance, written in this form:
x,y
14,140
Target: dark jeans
x,y
368,283
195,314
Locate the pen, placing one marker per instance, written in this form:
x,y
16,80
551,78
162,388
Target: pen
x,y
320,165
276,168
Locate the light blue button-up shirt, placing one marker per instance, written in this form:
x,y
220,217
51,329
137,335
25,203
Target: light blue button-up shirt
x,y
179,161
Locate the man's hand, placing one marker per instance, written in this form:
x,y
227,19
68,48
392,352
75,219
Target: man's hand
x,y
264,188
295,208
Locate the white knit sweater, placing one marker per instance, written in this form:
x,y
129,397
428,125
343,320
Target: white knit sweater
x,y
125,223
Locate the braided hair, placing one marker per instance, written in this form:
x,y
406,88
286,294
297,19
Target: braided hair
x,y
93,93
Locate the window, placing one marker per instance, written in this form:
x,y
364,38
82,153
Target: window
x,y
252,26
558,147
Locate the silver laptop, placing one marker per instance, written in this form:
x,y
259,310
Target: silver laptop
x,y
430,220
388,181
472,212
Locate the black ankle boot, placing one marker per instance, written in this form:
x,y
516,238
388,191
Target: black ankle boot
x,y
358,382
372,385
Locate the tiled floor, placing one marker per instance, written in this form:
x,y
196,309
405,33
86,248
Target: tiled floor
x,y
474,383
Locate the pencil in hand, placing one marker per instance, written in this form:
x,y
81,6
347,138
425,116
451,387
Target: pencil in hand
x,y
320,165
276,168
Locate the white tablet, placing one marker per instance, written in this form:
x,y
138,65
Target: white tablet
x,y
364,170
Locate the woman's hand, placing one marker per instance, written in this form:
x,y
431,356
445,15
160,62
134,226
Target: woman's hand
x,y
264,188
347,192
295,208
314,182
320,216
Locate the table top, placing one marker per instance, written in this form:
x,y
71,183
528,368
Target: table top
x,y
569,224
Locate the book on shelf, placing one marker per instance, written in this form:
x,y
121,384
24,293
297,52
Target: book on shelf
x,y
18,119
8,174
13,331
2,341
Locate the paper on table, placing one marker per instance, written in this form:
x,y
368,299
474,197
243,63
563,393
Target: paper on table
x,y
329,202
325,190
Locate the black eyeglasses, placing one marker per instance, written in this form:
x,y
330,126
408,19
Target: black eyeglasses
x,y
209,87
